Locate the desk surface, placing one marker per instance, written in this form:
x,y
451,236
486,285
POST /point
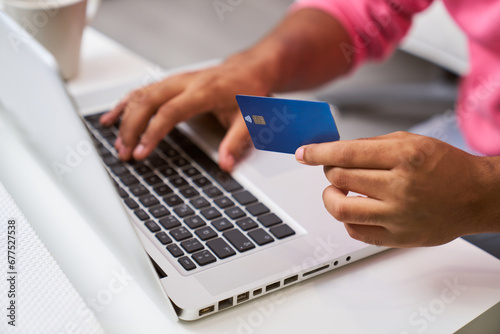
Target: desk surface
x,y
430,290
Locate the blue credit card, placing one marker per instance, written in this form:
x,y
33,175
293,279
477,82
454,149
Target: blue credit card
x,y
282,125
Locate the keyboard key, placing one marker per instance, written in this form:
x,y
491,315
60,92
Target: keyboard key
x,y
101,149
238,240
205,233
269,220
168,172
128,179
111,160
105,131
210,213
189,192
235,213
159,211
221,248
175,250
257,209
173,200
192,245
119,170
163,238
181,233
162,189
212,191
138,190
186,263
282,231
149,200
122,192
183,211
94,120
204,257
152,226
169,222
260,236
157,162
178,182
142,169
110,138
180,162
194,222
131,203
244,197
168,150
191,171
246,224
152,179
222,224
223,202
202,182
141,214
133,162
226,181
171,153
199,202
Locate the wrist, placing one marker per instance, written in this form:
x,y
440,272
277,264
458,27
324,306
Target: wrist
x,y
300,53
488,180
261,64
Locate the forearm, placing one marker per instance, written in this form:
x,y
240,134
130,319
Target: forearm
x,y
302,52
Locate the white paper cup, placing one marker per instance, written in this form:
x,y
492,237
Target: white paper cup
x,y
57,25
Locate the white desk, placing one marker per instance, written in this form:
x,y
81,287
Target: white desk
x,y
427,290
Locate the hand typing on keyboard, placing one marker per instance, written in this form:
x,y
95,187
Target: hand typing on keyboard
x,y
179,97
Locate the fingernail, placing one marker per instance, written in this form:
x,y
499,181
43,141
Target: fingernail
x,y
299,155
139,151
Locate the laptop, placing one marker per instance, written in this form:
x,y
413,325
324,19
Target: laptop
x,y
197,239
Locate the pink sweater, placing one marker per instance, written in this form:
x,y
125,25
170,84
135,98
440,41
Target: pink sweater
x,y
376,26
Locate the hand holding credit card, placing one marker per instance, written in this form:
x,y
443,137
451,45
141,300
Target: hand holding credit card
x,y
283,125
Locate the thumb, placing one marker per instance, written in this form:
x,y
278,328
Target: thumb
x,y
235,144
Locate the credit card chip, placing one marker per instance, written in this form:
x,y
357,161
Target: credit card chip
x,y
258,120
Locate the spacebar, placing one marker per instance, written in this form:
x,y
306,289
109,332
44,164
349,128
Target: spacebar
x,y
224,179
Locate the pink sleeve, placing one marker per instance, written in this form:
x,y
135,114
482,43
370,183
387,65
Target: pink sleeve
x,y
375,26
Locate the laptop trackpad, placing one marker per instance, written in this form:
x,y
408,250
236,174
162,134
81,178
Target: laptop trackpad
x,y
255,270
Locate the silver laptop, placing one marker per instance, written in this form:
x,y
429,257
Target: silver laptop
x,y
215,240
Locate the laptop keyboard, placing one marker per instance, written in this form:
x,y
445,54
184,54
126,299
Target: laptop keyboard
x,y
196,211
